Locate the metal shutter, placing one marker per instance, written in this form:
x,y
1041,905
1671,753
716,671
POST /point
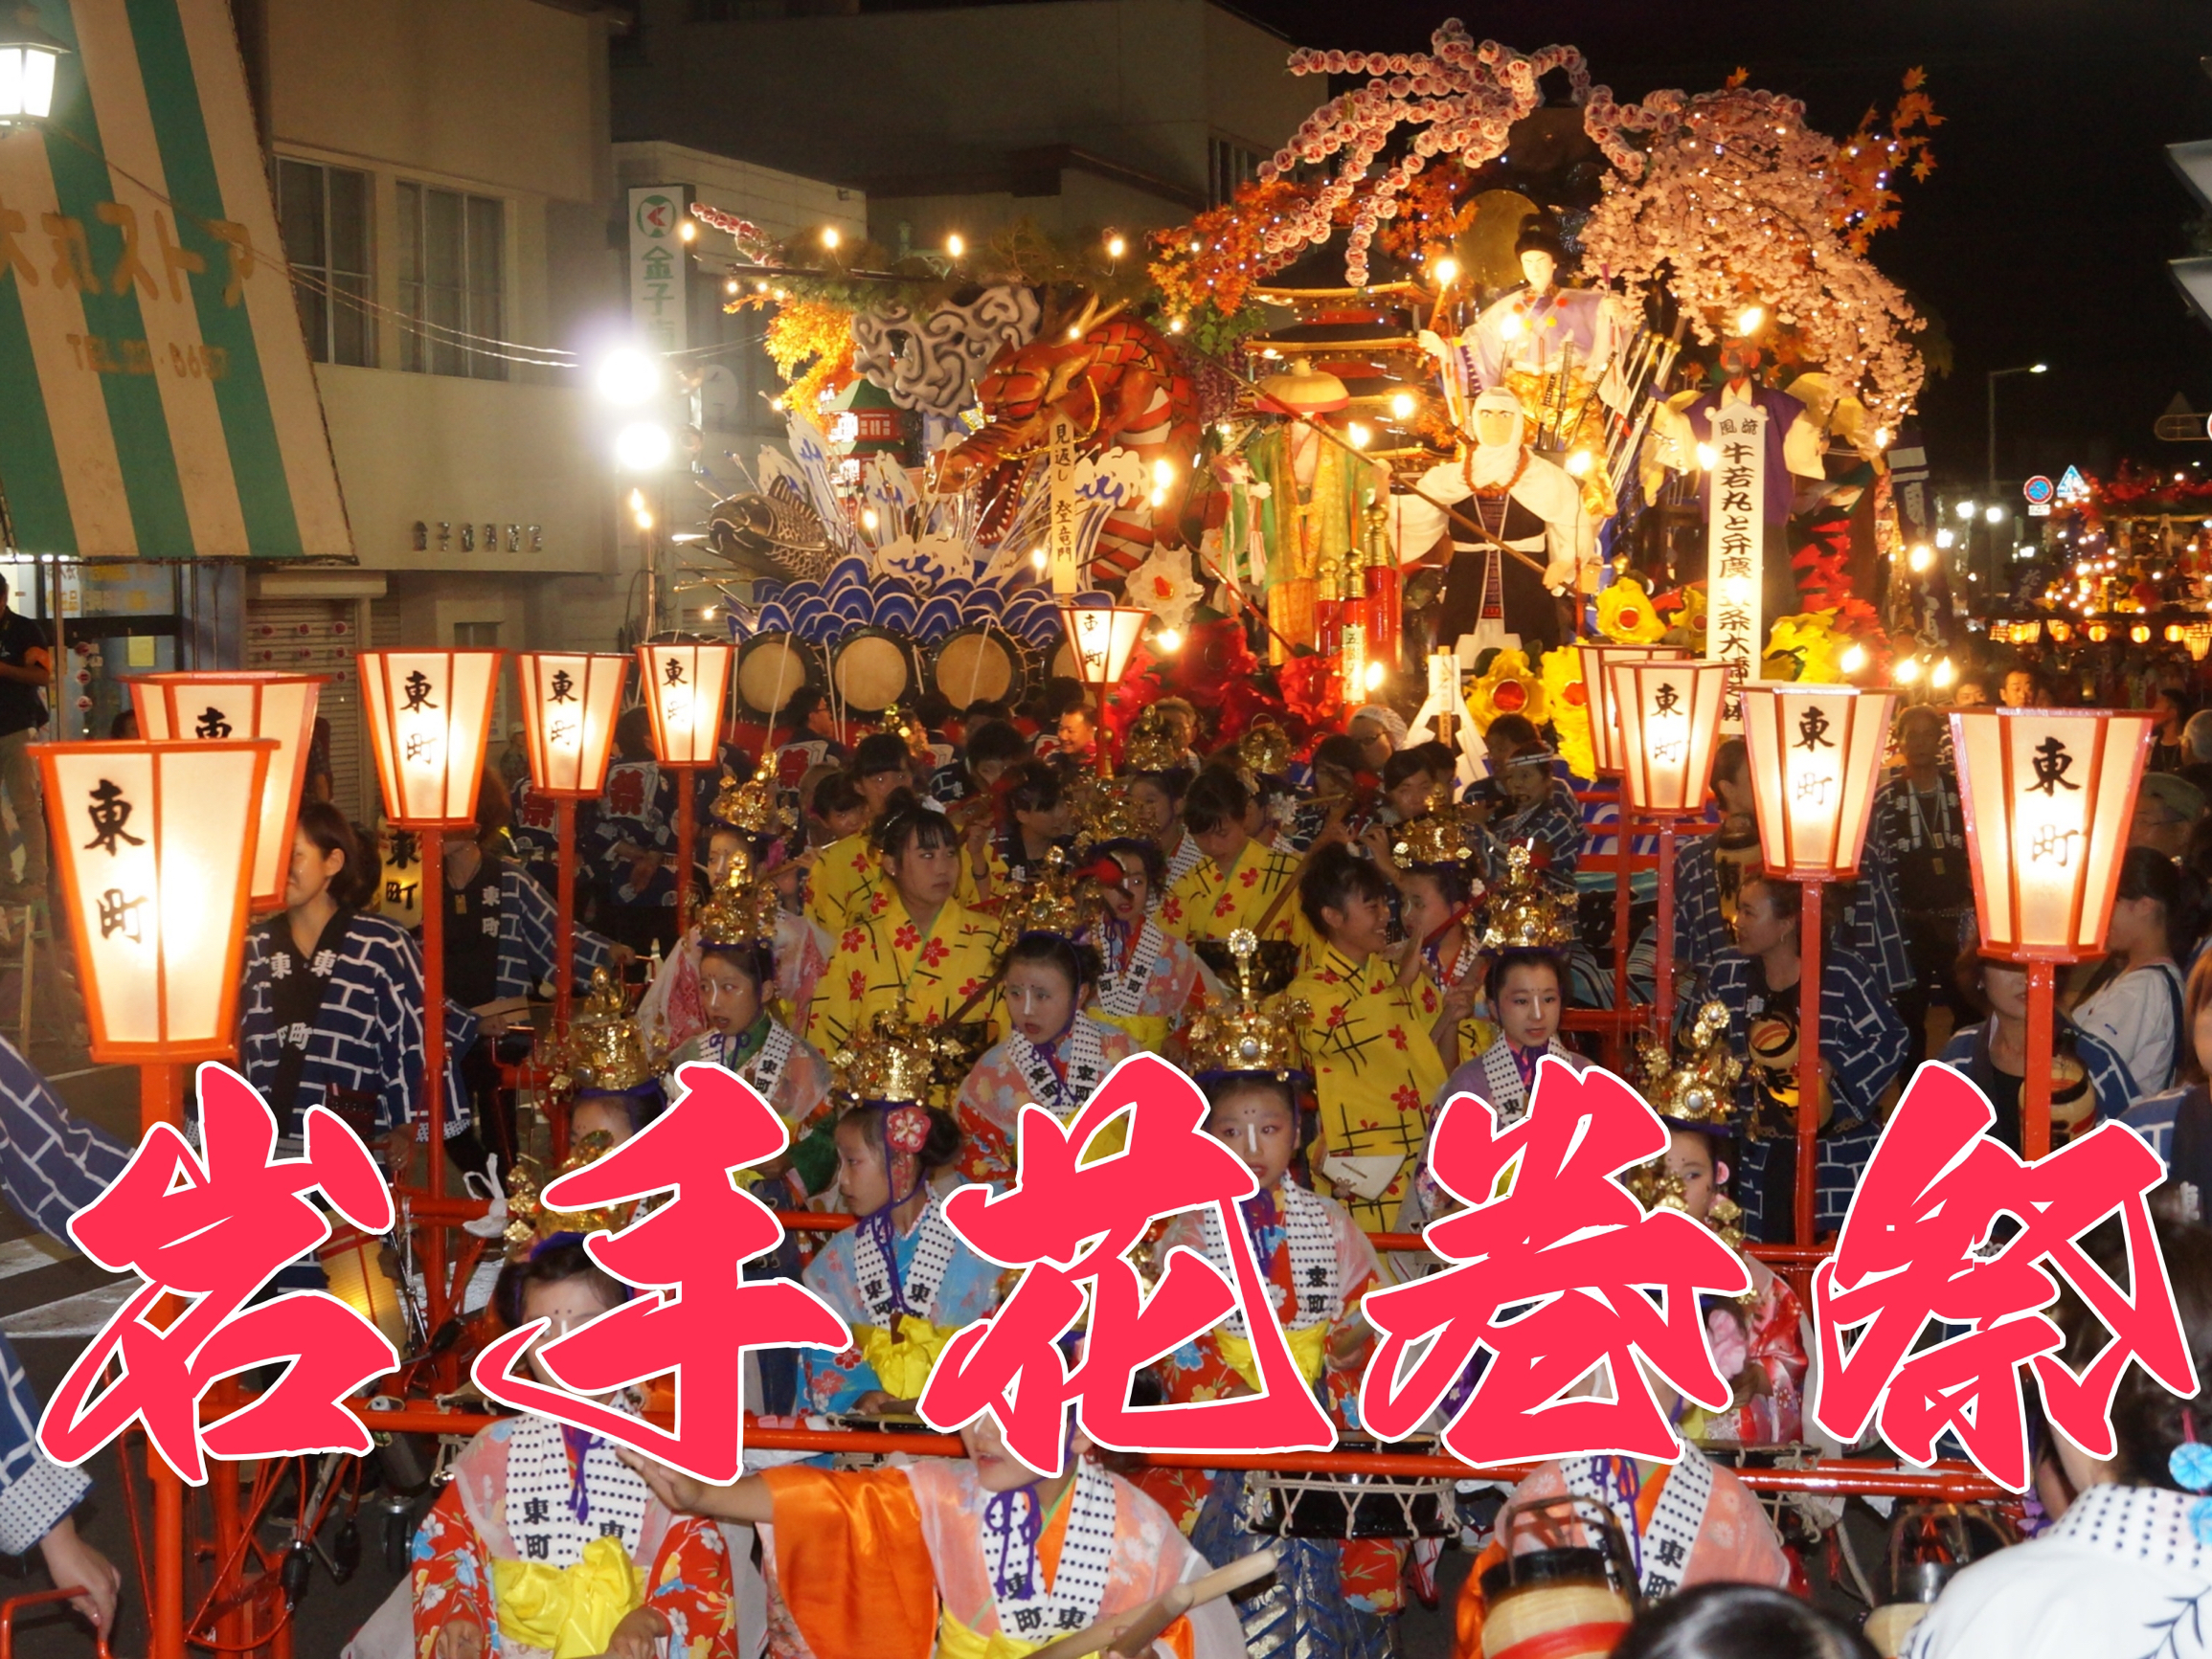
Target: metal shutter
x,y
320,637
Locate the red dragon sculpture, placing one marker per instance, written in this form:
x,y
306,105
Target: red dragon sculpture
x,y
1119,382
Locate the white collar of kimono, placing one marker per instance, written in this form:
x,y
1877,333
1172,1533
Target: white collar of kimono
x,y
2137,1523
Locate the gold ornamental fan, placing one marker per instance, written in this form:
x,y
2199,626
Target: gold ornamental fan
x,y
1266,749
1054,902
897,1062
1109,813
528,1221
1251,1033
1436,838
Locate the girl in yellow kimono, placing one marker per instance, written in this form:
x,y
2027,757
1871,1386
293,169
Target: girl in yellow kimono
x,y
840,861
1054,1055
1372,1034
1238,884
1148,977
913,946
964,1558
882,771
1436,904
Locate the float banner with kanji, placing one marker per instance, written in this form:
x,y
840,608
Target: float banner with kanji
x,y
159,401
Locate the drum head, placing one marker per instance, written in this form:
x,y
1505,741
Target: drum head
x,y
771,669
974,668
1063,663
871,671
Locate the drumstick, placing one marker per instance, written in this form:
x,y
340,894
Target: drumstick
x,y
975,674
1154,1616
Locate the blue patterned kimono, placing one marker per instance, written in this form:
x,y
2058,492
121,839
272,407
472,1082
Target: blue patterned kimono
x,y
968,1292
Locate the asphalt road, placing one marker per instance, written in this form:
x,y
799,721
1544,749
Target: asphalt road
x,y
52,1300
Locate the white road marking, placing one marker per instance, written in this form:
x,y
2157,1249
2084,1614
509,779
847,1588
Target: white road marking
x,y
85,1314
28,1255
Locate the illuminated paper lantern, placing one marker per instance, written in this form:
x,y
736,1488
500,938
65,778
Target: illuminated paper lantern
x,y
570,699
154,845
1670,724
210,706
1604,713
1103,638
429,714
2047,796
1815,754
682,688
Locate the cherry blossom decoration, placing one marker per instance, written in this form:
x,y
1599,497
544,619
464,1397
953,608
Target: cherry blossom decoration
x,y
1731,200
1465,98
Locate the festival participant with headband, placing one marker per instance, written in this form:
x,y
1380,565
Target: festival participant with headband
x,y
1335,1597
902,1279
977,1558
1055,1055
1238,884
543,1542
1376,1027
1148,975
1036,816
1535,817
1762,1340
920,950
1862,1046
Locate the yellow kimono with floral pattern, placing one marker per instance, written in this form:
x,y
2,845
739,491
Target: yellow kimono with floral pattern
x,y
1377,1073
848,873
1205,905
881,955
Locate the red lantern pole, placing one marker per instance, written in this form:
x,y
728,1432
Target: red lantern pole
x,y
1663,959
564,910
687,830
1621,896
160,1100
433,902
2035,1118
1809,1054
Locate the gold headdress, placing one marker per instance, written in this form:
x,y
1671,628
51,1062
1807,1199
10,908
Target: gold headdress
x,y
742,910
1697,1091
530,1223
754,806
899,1061
1154,744
1266,749
1436,838
1251,1034
604,1051
1106,813
1056,901
906,729
1523,910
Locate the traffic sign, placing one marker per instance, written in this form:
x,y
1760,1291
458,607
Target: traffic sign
x,y
2039,491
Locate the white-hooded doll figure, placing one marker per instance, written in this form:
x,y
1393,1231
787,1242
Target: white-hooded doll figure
x,y
1524,502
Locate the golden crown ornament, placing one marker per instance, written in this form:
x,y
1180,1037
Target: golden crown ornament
x,y
899,1059
1054,902
742,909
603,1051
530,1223
1266,749
1154,744
1251,1034
754,806
1437,837
1523,912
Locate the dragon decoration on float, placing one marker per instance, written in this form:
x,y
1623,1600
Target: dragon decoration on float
x,y
1692,208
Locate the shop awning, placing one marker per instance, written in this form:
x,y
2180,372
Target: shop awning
x,y
156,400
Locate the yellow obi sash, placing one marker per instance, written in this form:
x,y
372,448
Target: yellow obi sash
x,y
1308,1347
956,1641
901,1360
572,1611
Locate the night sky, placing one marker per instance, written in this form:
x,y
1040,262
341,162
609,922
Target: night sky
x,y
2044,231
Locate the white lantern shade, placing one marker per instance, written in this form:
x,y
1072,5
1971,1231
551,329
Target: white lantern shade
x,y
1103,638
154,844
684,684
1815,754
570,701
213,705
1670,723
429,714
1604,715
2048,794
27,71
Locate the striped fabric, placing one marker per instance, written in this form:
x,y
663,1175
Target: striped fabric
x,y
160,403
527,924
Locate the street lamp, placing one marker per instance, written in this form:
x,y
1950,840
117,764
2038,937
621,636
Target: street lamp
x,y
1102,638
1816,760
1995,375
2046,796
1606,746
683,684
429,714
1670,724
28,58
213,705
155,846
570,699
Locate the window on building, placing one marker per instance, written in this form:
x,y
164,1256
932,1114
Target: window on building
x,y
324,218
1228,165
476,636
452,260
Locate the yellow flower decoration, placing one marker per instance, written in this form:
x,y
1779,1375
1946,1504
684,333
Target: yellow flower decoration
x,y
1509,686
1806,648
1687,625
1570,699
1624,614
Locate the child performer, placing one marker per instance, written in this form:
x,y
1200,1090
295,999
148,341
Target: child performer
x,y
902,1278
1149,976
544,1542
1335,1598
1375,1027
975,1558
1239,884
922,950
1055,1055
1433,859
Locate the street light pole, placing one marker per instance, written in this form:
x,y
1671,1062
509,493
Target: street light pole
x,y
1995,375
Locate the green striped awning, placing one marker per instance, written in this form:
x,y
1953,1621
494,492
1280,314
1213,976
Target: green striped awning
x,y
155,396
